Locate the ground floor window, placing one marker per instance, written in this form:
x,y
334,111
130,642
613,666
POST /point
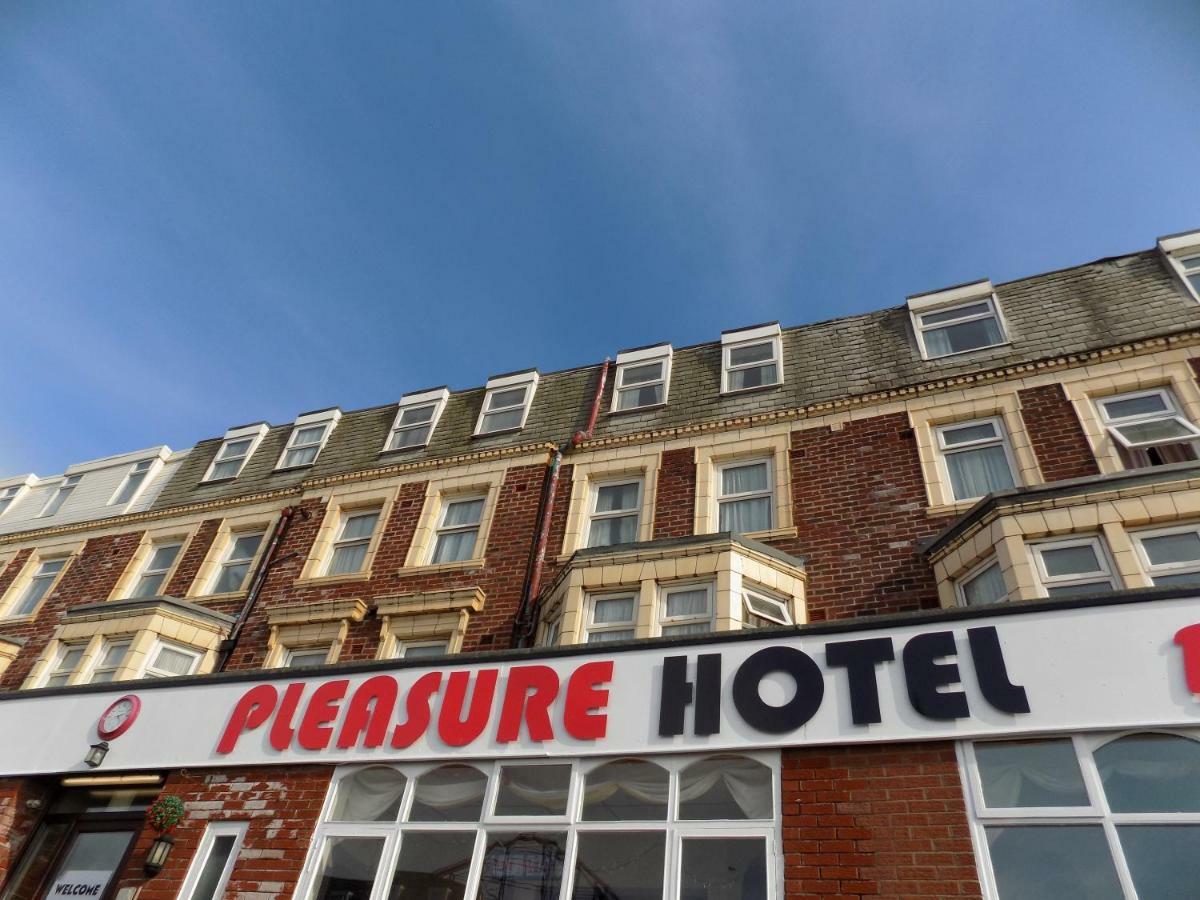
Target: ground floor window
x,y
1087,816
697,828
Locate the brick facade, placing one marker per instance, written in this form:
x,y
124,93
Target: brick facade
x,y
675,499
1058,440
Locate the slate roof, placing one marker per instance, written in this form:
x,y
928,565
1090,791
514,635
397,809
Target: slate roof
x,y
1086,307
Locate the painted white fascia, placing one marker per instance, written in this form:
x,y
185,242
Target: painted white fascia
x,y
948,297
643,354
753,333
29,480
160,452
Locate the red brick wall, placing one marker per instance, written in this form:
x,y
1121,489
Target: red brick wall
x,y
17,819
1054,431
282,806
885,821
193,556
675,498
860,509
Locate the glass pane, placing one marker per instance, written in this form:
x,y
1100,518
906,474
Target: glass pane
x,y
301,457
604,637
1155,431
348,866
70,659
688,603
964,434
614,497
533,790
426,651
209,881
36,859
369,795
433,865
752,353
626,790
1151,773
149,585
689,628
1080,590
619,866
1166,549
613,609
730,787
756,376
744,479
1079,560
1191,262
1194,281
462,512
226,469
245,546
92,861
162,558
959,312
1180,578
132,483
51,567
963,337
724,869
523,866
359,526
310,434
37,589
235,449
503,420
416,415
638,374
1148,405
113,654
1030,773
647,395
173,661
455,546
1055,862
348,559
608,532
303,658
410,437
230,578
745,515
1164,860
986,587
449,794
974,473
510,397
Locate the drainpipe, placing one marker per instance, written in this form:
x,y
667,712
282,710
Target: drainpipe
x,y
526,620
256,584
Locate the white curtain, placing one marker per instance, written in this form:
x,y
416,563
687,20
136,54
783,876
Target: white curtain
x,y
974,473
748,782
749,515
369,795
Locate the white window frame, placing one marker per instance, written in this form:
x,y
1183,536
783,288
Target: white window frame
x,y
149,671
204,851
253,433
1113,425
436,399
326,418
1096,813
107,644
146,469
1187,273
1151,569
344,517
9,497
1045,582
1178,247
62,493
27,588
662,620
228,560
993,312
60,654
591,627
746,337
661,354
145,570
501,384
719,488
944,450
971,574
551,631
447,500
403,647
777,611
636,511
290,653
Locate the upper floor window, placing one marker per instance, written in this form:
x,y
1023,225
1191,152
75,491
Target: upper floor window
x,y
60,495
751,358
616,508
8,496
982,586
506,403
112,657
745,496
1149,428
172,660
308,437
685,609
1182,252
235,566
39,586
458,531
976,456
158,565
305,657
1189,268
761,609
422,649
611,618
133,482
957,320
643,378
1170,555
355,531
235,451
1074,566
416,419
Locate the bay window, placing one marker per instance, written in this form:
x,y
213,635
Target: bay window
x,y
1170,555
982,586
611,618
1073,566
685,609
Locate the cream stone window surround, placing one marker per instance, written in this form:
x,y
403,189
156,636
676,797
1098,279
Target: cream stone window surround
x,y
586,476
340,505
144,624
1182,255
10,647
425,617
711,457
223,541
142,556
483,482
300,626
68,551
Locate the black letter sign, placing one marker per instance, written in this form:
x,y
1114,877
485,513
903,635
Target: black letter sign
x,y
994,682
810,688
677,695
860,659
924,675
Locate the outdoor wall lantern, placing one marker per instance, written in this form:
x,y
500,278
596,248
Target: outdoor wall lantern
x,y
156,856
96,754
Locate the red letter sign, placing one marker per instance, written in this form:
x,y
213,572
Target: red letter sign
x,y
251,711
1189,639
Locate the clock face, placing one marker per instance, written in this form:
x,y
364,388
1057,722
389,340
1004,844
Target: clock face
x,y
116,720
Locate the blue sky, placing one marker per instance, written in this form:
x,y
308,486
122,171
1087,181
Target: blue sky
x,y
214,213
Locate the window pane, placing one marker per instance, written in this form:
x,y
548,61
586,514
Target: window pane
x,y
1164,860
416,415
311,434
724,869
522,866
226,469
1149,405
1055,862
162,558
245,546
962,337
410,437
149,585
639,374
37,589
348,866
235,450
986,587
745,515
348,559
359,526
1155,431
689,628
730,787
1181,578
173,661
455,546
959,312
433,865
604,637
757,376
744,479
301,457
1080,590
70,659
132,483
626,790
965,434
114,654
1151,773
510,397
1166,549
688,603
620,866
974,473
209,881
1079,560
426,651
752,353
533,790
607,532
302,658
614,497
1194,281
632,398
613,609
462,512
230,578
449,794
1030,773
369,795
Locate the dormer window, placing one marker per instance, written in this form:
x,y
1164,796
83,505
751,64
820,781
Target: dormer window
x,y
506,403
957,320
9,495
133,482
751,358
239,445
643,378
60,495
309,434
416,419
1182,252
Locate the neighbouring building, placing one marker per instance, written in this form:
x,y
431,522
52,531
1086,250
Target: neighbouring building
x,y
900,605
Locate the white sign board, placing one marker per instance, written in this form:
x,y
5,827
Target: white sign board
x,y
79,884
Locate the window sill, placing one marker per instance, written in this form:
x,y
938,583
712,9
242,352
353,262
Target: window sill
x,y
760,389
228,595
934,359
443,567
772,534
209,481
18,620
503,431
950,509
317,580
638,409
294,468
415,448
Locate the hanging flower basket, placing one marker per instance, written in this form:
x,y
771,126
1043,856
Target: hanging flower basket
x,y
165,813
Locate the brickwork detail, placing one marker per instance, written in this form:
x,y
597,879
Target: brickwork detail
x,y
886,821
675,497
1055,433
193,557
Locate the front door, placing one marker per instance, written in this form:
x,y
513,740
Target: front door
x,y
90,863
